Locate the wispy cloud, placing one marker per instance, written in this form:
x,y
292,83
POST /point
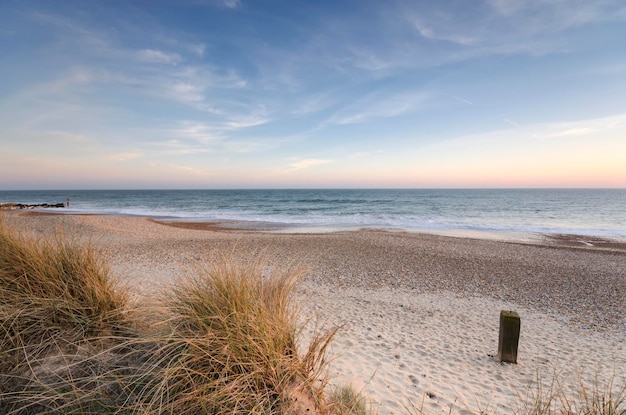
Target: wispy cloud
x,y
501,27
590,131
179,75
126,156
186,92
380,106
306,164
359,155
198,131
526,129
540,15
176,147
252,120
427,32
423,35
198,137
164,77
190,169
157,56
513,123
572,132
232,4
312,104
462,100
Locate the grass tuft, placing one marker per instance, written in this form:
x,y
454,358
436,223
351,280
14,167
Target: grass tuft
x,y
235,329
599,399
69,345
55,297
345,400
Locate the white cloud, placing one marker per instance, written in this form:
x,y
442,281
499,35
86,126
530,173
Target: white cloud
x,y
608,69
506,7
178,147
232,4
513,123
186,92
377,106
198,131
572,132
427,32
198,49
157,56
313,104
462,100
189,169
363,154
590,131
536,16
245,122
126,156
307,163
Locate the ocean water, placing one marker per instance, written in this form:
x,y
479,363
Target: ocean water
x,y
593,212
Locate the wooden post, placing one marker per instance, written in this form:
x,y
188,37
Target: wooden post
x,y
509,336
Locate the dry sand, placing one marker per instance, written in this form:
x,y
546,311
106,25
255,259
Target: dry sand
x,y
419,313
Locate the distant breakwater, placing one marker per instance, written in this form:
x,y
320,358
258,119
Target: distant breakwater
x,y
17,206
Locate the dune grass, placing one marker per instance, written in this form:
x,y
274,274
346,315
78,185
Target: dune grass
x,y
57,303
599,398
227,342
54,294
234,330
345,400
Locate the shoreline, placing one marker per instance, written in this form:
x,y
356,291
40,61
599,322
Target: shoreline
x,y
556,239
562,240
418,312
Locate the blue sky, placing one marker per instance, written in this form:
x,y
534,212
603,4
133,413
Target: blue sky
x,y
248,94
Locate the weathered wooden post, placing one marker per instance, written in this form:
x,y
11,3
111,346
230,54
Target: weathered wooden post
x,y
509,336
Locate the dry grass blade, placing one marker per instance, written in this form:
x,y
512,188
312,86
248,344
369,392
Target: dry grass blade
x,y
240,326
345,400
55,297
68,344
603,401
600,399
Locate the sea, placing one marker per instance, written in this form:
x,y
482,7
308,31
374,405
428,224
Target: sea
x,y
499,212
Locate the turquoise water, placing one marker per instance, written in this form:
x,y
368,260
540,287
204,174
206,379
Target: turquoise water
x,y
593,212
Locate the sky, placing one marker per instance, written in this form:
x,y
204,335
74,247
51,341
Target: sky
x,y
312,94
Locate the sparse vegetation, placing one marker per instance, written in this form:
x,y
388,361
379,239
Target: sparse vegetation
x,y
57,305
227,345
597,399
234,336
55,296
345,400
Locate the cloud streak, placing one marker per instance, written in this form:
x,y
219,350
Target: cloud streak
x,y
377,105
306,164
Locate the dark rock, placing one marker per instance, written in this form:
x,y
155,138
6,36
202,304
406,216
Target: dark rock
x,y
31,206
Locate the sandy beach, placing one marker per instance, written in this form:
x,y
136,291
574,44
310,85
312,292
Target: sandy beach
x,y
419,313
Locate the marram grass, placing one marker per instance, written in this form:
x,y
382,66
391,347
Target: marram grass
x,y
227,344
599,398
57,305
234,339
